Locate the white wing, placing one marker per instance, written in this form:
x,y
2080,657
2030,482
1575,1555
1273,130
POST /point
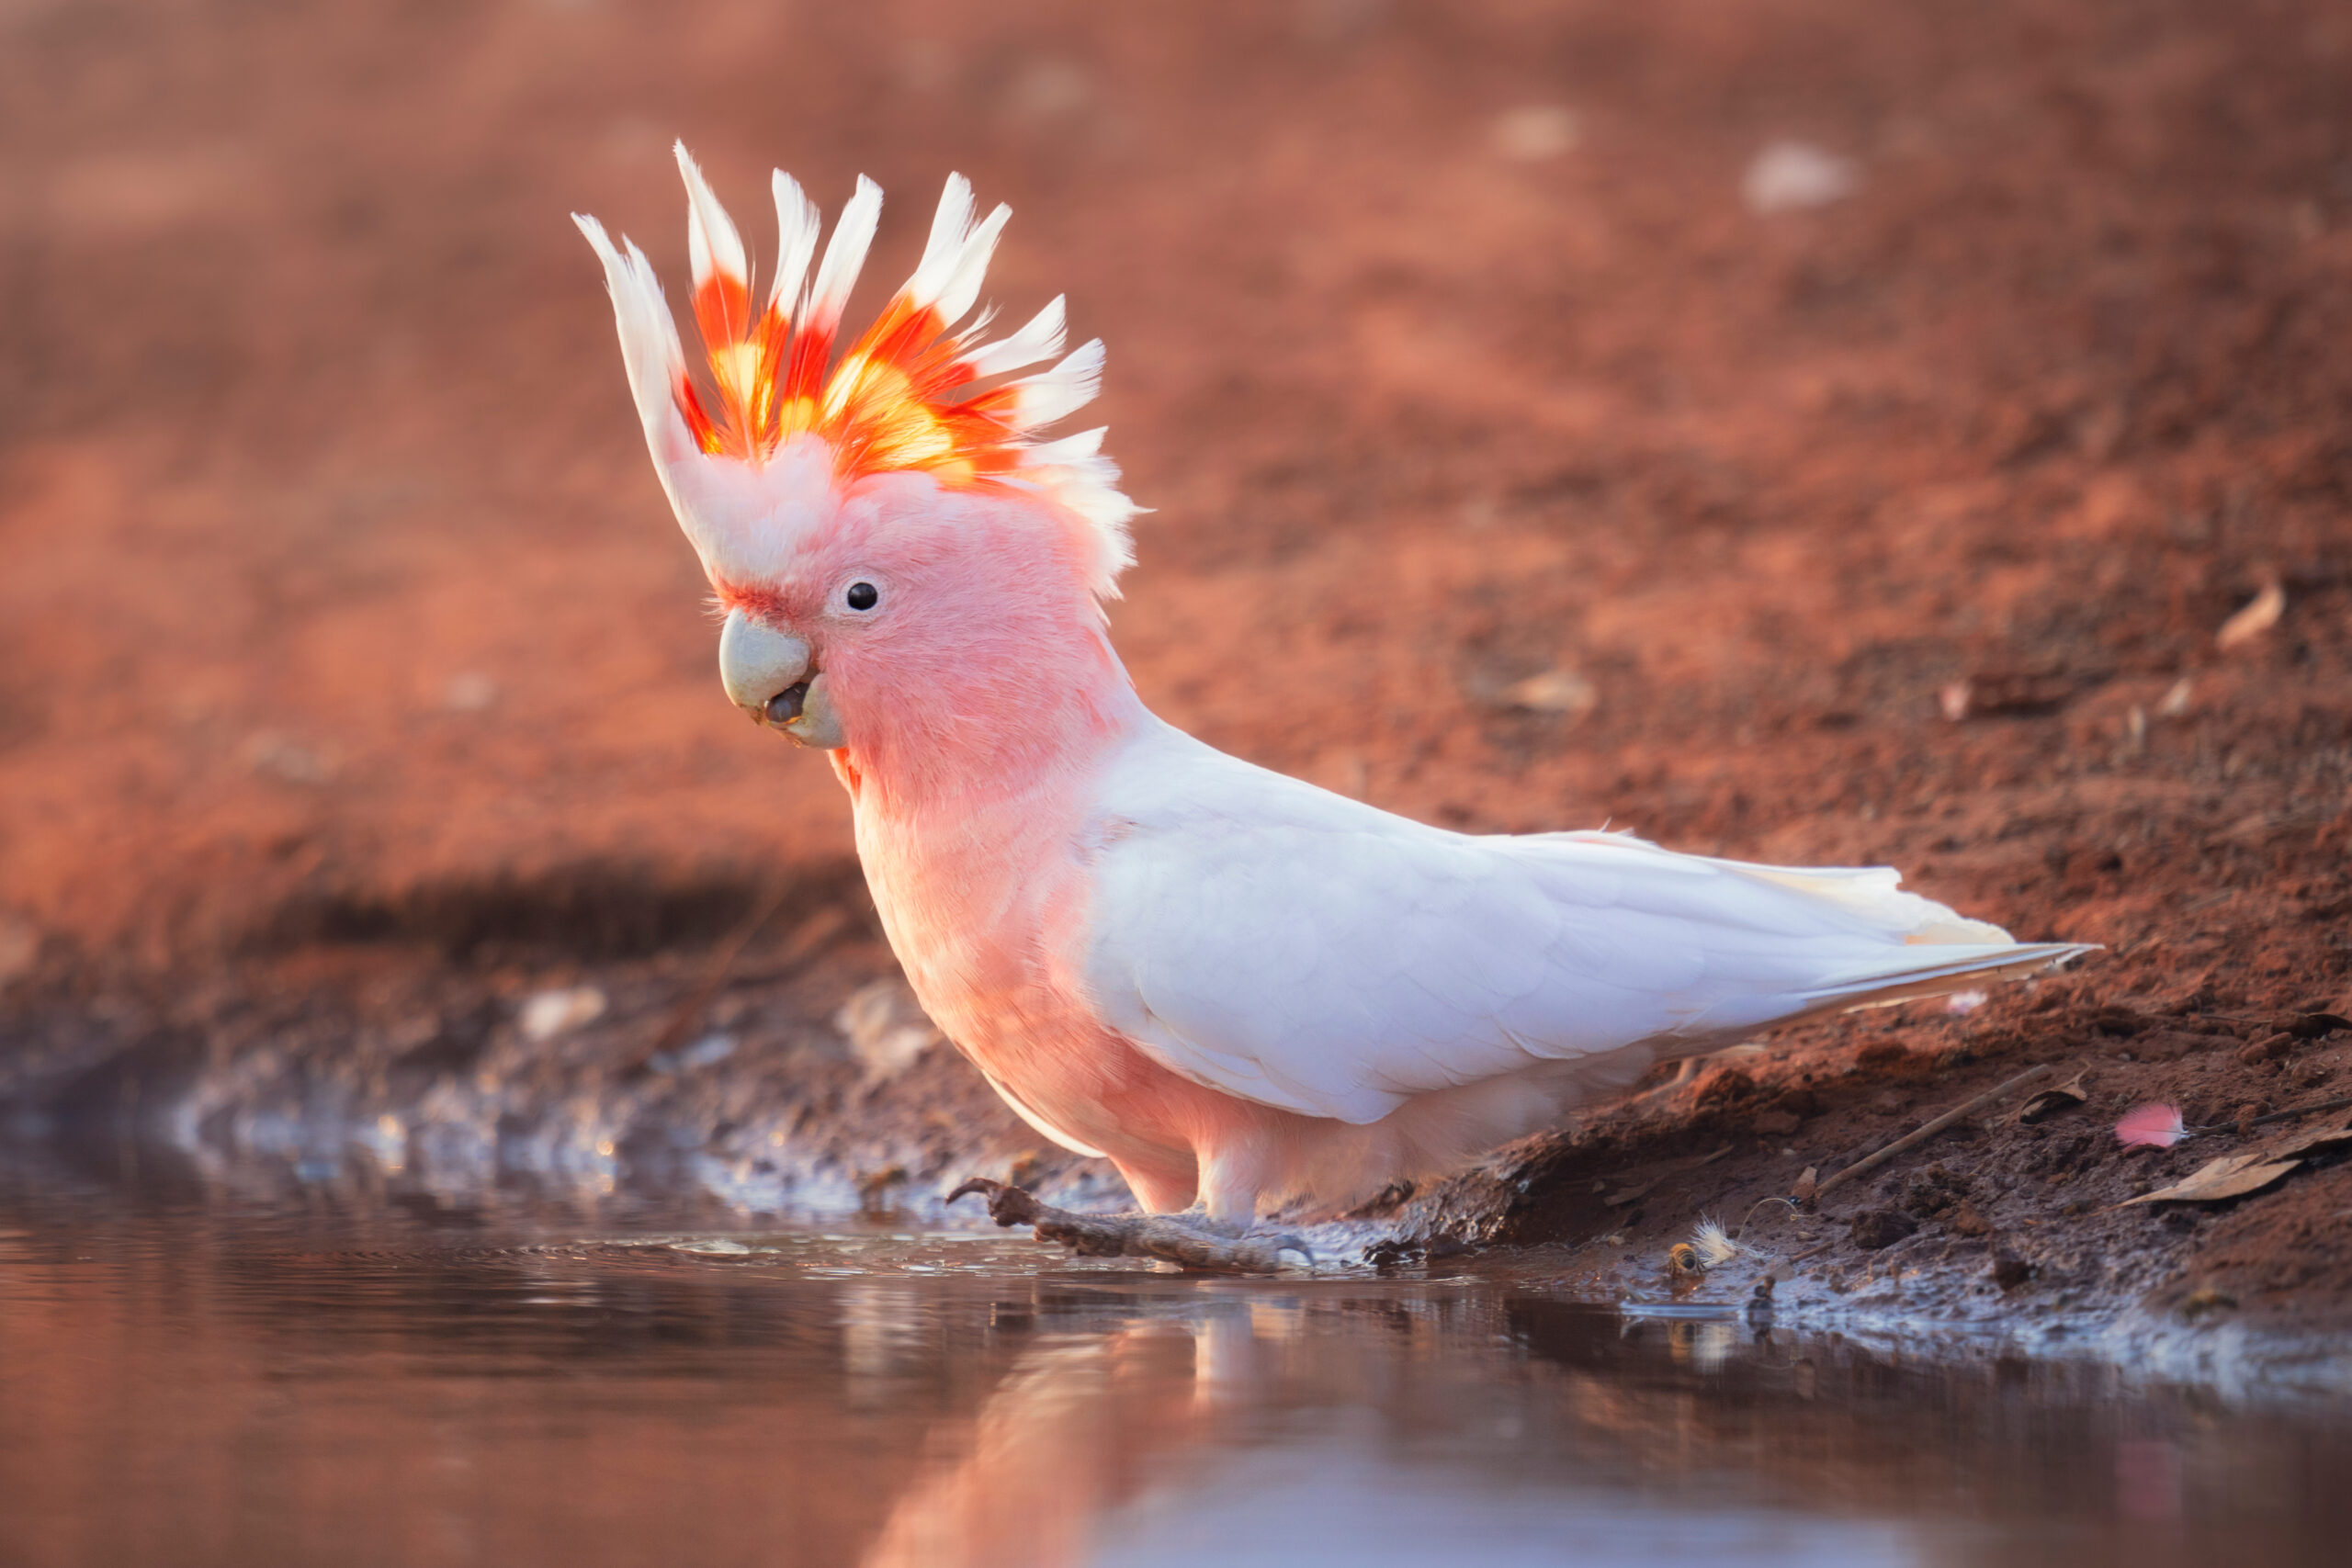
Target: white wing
x,y
1295,947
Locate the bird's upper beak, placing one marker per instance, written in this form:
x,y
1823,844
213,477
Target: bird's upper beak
x,y
768,673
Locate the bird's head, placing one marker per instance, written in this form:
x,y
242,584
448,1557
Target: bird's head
x,y
906,571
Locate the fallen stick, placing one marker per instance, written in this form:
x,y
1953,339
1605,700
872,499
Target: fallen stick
x,y
2338,1103
1133,1235
1912,1140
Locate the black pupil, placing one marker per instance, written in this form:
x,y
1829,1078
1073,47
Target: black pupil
x,y
863,596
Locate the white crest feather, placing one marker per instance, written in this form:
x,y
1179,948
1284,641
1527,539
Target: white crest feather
x,y
649,351
956,258
797,224
972,265
1040,340
712,243
946,245
845,256
742,490
1056,394
1076,473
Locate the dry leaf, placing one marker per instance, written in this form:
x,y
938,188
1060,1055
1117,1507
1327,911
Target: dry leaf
x,y
2337,1131
2232,1176
2260,615
2050,1102
1554,691
1808,1184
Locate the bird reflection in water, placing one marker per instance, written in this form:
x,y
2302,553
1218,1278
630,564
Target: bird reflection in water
x,y
1084,1424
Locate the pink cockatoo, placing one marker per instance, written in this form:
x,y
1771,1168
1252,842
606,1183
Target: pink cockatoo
x,y
1236,986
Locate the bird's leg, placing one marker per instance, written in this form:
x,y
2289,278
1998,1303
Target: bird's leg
x,y
1169,1239
1232,1173
1686,1071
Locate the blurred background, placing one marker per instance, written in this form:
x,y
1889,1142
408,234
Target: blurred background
x,y
1814,431
1793,427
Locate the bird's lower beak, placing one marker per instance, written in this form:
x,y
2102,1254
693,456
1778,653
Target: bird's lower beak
x,y
769,675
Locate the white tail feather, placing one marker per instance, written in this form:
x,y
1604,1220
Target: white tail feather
x,y
1942,968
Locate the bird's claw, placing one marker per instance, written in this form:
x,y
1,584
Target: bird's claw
x,y
1008,1205
1291,1241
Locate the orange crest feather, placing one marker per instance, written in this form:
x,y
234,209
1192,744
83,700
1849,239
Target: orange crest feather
x,y
908,395
890,402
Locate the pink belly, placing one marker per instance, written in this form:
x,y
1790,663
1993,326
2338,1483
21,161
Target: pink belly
x,y
988,922
1089,1087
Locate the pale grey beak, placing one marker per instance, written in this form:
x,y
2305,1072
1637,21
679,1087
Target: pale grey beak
x,y
767,674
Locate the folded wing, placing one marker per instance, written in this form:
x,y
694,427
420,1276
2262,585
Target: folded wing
x,y
1297,948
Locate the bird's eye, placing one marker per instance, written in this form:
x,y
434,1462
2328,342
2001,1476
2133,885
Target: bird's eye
x,y
863,596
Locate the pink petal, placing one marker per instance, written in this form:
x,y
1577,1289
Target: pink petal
x,y
2151,1126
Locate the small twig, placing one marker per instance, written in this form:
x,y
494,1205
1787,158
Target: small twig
x,y
1911,1140
2338,1103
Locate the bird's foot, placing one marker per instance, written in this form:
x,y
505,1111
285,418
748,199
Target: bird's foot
x,y
1136,1235
1684,1072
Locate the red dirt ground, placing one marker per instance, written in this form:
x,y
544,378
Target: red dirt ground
x,y
344,631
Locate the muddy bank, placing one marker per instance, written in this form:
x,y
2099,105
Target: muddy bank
x,y
786,1072
1802,430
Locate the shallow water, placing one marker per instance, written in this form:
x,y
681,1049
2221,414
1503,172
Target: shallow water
x,y
252,1369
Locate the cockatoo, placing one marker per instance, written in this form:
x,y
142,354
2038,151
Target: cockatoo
x,y
1241,989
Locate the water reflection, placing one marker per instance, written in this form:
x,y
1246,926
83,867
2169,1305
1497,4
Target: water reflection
x,y
259,1374
1205,1433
